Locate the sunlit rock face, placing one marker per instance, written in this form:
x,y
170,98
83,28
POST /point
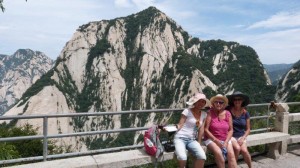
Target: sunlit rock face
x,y
289,85
18,72
142,61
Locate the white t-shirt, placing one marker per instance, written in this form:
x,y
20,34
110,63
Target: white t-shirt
x,y
188,127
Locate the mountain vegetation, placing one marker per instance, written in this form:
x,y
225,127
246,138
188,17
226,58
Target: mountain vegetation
x,y
21,148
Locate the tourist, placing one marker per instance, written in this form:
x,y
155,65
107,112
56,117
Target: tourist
x,y
241,125
218,132
190,131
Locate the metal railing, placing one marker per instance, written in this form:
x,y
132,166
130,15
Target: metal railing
x,y
45,137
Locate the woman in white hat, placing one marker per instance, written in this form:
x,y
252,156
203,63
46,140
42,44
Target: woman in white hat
x,y
190,131
241,125
218,132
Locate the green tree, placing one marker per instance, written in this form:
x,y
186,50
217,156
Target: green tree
x,y
8,151
2,7
21,148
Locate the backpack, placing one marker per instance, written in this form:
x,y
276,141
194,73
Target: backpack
x,y
152,142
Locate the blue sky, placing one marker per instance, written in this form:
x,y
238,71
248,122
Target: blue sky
x,y
271,27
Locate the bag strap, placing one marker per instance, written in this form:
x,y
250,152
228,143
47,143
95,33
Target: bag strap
x,y
160,151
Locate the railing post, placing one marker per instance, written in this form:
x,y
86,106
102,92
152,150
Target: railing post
x,y
45,140
282,123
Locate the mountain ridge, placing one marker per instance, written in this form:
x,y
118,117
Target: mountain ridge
x,y
18,72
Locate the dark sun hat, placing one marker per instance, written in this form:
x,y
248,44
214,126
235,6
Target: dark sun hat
x,y
246,100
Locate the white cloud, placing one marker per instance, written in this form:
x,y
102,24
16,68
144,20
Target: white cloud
x,y
123,3
3,28
142,4
238,26
46,25
274,47
187,14
280,20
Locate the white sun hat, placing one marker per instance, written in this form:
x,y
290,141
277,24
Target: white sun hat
x,y
196,97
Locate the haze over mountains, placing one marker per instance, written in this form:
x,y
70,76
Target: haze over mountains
x,y
142,61
276,71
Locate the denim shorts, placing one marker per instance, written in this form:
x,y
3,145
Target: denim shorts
x,y
182,144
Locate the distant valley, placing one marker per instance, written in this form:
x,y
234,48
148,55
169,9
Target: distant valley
x,y
276,71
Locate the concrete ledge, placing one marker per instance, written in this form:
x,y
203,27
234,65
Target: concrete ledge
x,y
275,140
127,158
140,157
294,139
294,117
266,138
82,162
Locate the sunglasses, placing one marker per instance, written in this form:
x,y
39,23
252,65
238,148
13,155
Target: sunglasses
x,y
218,102
238,99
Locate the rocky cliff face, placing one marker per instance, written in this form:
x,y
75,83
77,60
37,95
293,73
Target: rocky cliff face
x,y
18,72
142,61
289,85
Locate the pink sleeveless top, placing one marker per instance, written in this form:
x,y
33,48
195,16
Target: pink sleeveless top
x,y
219,128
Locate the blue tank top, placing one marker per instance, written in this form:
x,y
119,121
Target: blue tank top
x,y
239,124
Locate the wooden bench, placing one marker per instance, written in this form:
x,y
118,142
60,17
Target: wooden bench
x,y
273,139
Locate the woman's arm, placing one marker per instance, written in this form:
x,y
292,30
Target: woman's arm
x,y
201,132
230,132
181,122
206,128
247,132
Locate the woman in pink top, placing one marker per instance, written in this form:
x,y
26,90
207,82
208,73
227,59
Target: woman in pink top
x,y
218,132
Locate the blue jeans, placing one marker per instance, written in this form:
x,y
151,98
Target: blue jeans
x,y
182,144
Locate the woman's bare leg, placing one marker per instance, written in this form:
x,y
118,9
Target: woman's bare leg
x,y
182,163
199,163
219,159
236,148
246,155
231,156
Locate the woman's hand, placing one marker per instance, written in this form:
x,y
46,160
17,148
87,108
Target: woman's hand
x,y
218,143
225,144
241,141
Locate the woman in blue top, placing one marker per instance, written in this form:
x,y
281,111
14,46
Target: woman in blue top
x,y
241,124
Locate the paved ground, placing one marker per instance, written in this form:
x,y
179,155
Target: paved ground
x,y
290,160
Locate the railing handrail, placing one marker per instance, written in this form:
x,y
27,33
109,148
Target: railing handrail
x,y
75,114
86,114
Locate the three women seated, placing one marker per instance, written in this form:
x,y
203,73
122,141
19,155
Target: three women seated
x,y
224,127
